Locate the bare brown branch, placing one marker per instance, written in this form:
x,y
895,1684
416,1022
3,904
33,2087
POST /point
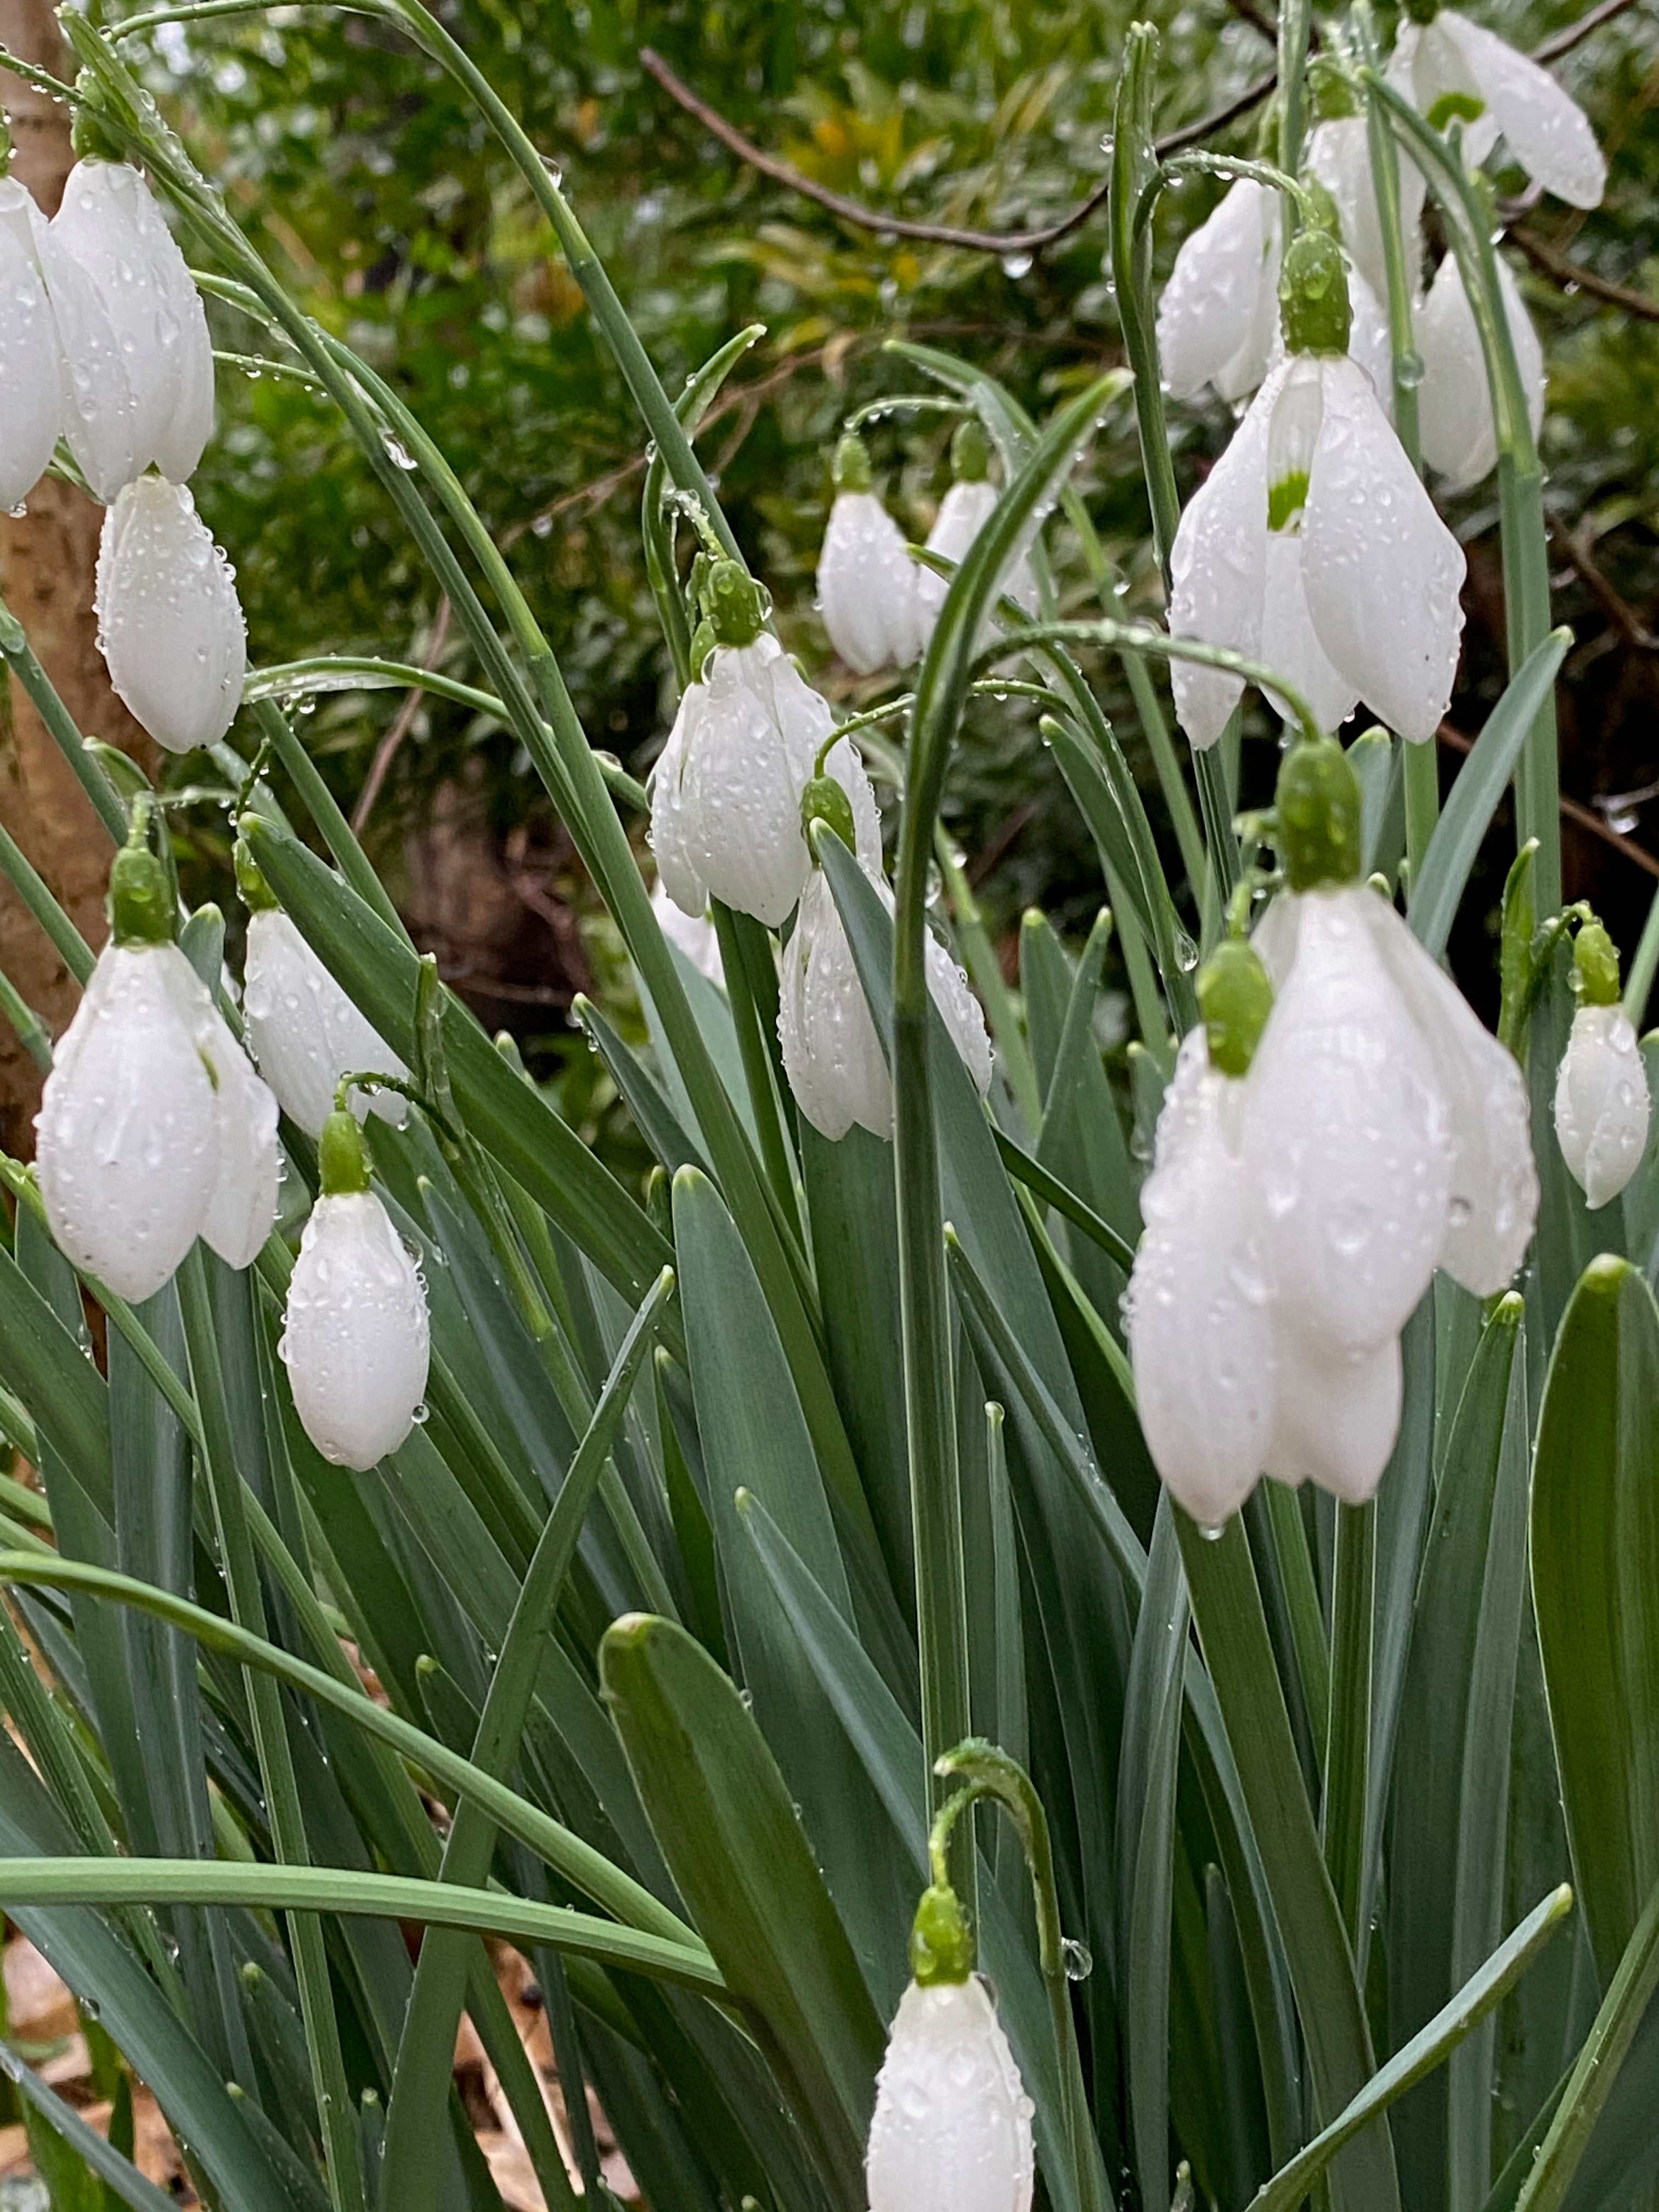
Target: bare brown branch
x,y
1573,277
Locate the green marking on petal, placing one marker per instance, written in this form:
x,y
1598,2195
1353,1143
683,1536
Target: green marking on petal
x,y
1455,107
1286,499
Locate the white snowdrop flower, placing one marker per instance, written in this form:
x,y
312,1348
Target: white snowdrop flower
x,y
866,579
1312,547
1218,320
31,352
727,789
355,1336
1458,70
831,1053
302,1029
1336,1416
692,934
140,389
170,625
1389,1130
963,513
951,2130
1199,1330
1339,156
1454,402
1601,1101
153,1129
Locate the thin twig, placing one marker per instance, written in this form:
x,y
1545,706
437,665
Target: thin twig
x,y
1564,41
1573,276
1576,544
386,751
1581,817
896,226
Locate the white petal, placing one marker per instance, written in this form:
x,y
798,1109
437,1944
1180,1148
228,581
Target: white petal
x,y
952,2124
1382,572
831,1053
1601,1103
1336,1417
101,414
963,513
1348,1135
1339,153
692,934
964,1017
867,585
31,352
1218,569
1210,325
357,1336
669,825
303,1031
1548,133
110,225
1289,643
1369,342
1438,65
1455,416
169,622
1492,1203
127,1145
242,1211
1197,1314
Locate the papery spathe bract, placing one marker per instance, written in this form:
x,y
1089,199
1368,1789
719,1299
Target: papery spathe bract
x,y
170,625
1353,595
1454,402
1453,60
140,390
1601,1103
727,789
355,1340
303,1031
952,2125
31,351
867,586
1197,1321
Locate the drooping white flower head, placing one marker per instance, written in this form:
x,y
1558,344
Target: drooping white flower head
x,y
1454,402
1601,1100
1457,68
727,789
866,579
140,392
1339,155
170,625
963,513
832,1055
153,1128
355,1336
1313,548
951,2130
31,352
692,934
302,1029
1217,319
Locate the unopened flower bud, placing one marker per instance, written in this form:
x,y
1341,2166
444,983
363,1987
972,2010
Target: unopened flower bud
x,y
170,624
1603,1103
1595,967
866,579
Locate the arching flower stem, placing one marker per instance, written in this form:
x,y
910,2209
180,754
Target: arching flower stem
x,y
984,1771
1295,32
1301,207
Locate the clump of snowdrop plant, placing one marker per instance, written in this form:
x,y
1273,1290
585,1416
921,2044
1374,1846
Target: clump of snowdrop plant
x,y
355,1335
1602,1102
1312,545
153,1129
1340,1126
952,2124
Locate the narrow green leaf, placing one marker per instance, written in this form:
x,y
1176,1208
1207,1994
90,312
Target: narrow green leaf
x,y
1596,1592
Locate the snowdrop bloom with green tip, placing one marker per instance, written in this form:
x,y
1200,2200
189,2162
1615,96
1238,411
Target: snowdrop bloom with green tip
x,y
1601,1099
1312,546
170,625
866,579
963,513
356,1337
140,389
1458,70
831,1053
1454,402
153,1128
31,351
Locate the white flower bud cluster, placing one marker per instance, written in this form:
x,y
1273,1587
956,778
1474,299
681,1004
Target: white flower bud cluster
x,y
1312,547
106,344
1296,1215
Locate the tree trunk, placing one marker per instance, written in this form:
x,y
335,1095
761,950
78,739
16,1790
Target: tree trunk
x,y
48,558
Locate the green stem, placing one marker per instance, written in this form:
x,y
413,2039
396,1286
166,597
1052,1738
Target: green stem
x,y
31,887
281,1792
736,947
60,726
33,1033
1296,1573
1639,979
1295,28
1134,163
320,802
1348,1744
